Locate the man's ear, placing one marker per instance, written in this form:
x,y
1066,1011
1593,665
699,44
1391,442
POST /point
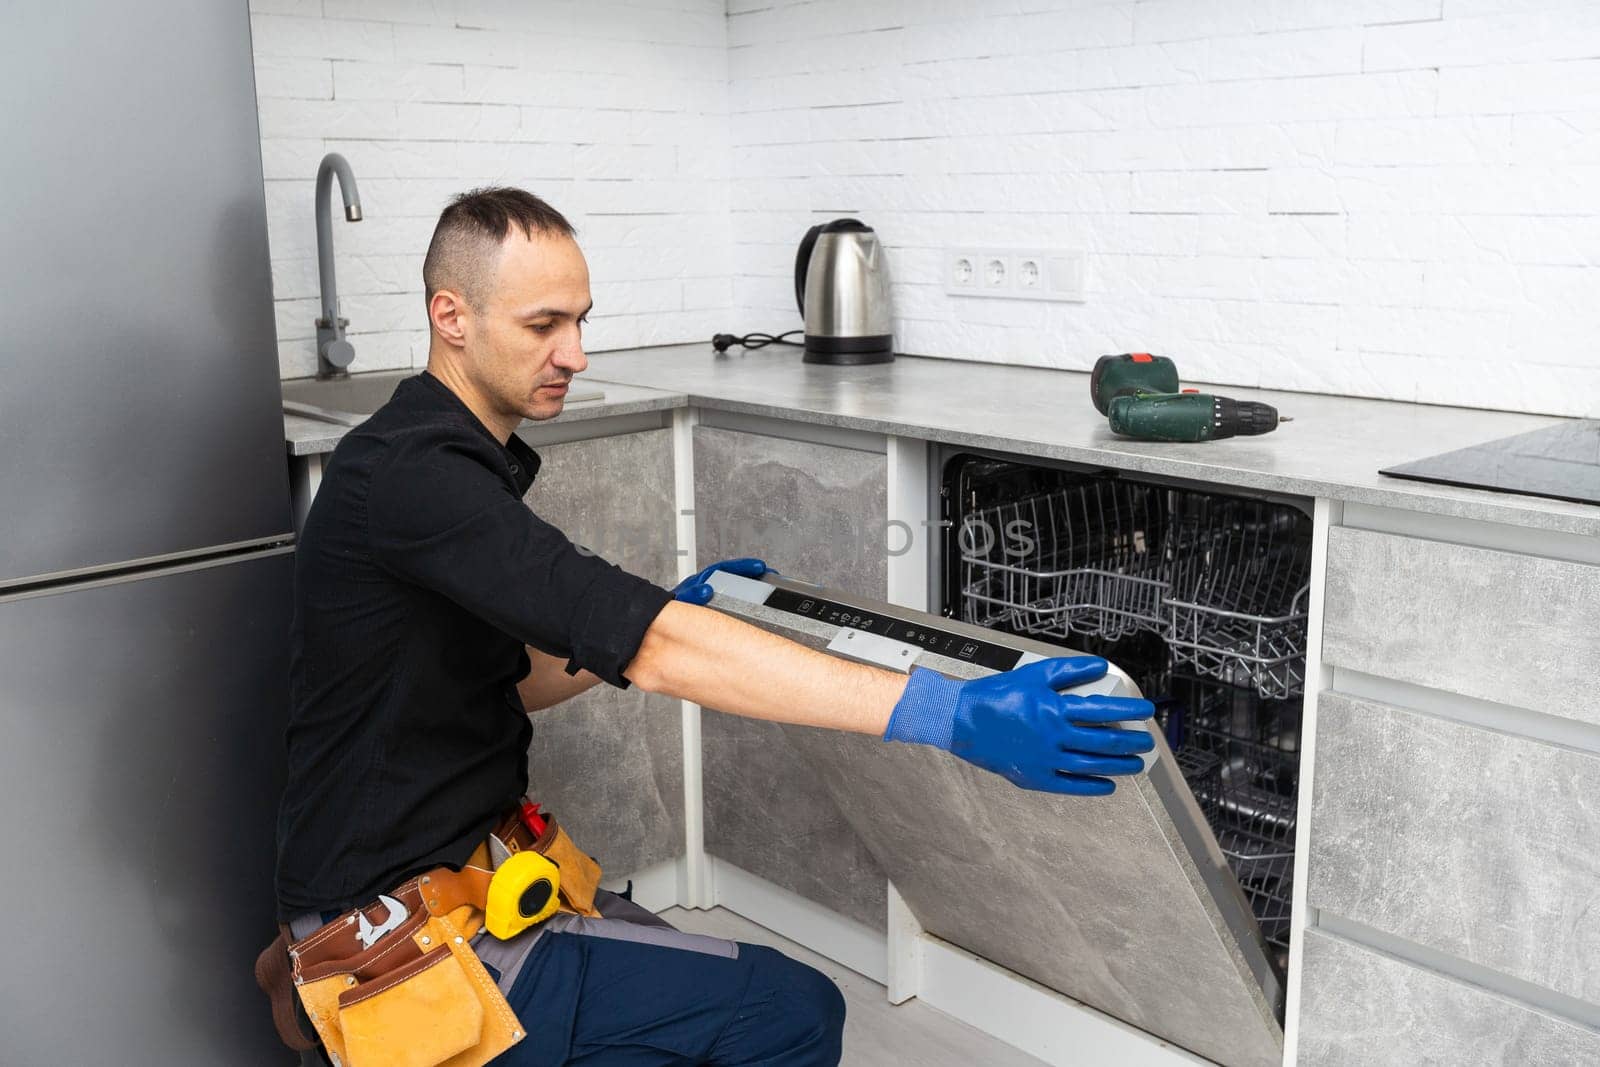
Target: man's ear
x,y
448,313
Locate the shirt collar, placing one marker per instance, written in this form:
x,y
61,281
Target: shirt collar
x,y
522,462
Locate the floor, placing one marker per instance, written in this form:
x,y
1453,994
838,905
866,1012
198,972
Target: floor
x,y
875,1032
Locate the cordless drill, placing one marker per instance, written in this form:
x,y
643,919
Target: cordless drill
x,y
1140,394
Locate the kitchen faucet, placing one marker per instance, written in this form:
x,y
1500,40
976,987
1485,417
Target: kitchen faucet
x,y
334,353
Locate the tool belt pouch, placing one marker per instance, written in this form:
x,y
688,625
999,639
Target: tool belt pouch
x,y
580,874
419,997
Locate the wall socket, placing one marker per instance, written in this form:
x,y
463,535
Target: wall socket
x,y
1015,273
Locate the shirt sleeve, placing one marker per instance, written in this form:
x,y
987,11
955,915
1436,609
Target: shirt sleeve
x,y
440,515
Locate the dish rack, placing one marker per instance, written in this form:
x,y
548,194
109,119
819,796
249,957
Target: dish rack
x,y
1240,754
1222,580
1238,573
1084,559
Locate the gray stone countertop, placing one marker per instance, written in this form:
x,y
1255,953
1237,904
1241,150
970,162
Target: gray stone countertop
x,y
308,437
1333,448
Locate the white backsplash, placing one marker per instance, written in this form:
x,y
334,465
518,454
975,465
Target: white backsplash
x,y
1391,198
614,112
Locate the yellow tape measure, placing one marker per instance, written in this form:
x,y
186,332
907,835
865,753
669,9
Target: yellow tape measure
x,y
522,892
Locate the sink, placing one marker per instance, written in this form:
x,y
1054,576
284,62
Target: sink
x,y
359,394
316,414
348,401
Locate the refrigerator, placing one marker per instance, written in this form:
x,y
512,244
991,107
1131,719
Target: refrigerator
x,y
146,555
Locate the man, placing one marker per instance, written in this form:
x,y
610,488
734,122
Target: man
x,y
434,611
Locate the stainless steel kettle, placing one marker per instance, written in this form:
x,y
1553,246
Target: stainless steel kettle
x,y
841,283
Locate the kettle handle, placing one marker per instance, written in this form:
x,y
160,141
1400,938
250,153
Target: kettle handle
x,y
802,260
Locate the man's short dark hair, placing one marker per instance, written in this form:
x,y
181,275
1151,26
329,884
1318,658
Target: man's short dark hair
x,y
466,243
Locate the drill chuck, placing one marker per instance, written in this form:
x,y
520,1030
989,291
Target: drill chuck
x,y
1247,417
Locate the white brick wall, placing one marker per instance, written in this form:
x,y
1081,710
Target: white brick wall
x,y
613,110
1393,198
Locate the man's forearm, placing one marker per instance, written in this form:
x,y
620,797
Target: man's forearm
x,y
705,656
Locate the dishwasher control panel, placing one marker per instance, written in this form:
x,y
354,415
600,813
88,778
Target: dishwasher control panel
x,y
919,633
893,637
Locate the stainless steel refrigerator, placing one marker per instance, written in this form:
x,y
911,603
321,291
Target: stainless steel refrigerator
x,y
145,545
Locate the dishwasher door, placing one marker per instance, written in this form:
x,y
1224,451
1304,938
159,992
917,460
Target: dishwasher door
x,y
1124,903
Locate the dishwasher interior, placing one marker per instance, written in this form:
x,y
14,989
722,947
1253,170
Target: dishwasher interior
x,y
1201,596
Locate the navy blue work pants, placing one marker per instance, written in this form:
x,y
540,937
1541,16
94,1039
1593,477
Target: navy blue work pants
x,y
596,1001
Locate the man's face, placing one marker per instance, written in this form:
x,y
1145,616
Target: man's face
x,y
525,344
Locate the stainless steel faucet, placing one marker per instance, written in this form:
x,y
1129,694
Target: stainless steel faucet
x,y
334,353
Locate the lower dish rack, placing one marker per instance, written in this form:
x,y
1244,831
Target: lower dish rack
x,y
1240,755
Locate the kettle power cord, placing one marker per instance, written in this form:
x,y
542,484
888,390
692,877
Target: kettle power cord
x,y
723,341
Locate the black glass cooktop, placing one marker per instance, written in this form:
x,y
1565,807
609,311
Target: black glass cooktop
x,y
1561,462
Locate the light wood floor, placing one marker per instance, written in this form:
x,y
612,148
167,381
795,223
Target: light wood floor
x,y
876,1033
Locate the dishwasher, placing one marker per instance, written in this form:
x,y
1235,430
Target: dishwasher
x,y
1201,596
1166,904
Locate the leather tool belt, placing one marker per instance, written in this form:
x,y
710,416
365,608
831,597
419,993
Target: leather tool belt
x,y
418,996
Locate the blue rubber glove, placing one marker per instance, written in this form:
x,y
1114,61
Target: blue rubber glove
x,y
1016,725
696,589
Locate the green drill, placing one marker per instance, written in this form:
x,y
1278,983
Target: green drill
x,y
1139,392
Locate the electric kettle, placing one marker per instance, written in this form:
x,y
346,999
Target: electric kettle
x,y
841,283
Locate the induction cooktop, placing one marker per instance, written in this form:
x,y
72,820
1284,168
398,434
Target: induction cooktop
x,y
1560,462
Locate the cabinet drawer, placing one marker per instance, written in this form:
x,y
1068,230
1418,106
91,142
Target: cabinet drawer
x,y
1363,1009
816,512
767,813
1515,629
1462,839
610,761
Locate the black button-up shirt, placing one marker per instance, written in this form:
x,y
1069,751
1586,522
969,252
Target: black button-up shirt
x,y
419,577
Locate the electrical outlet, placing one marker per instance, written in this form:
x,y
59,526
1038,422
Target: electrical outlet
x,y
1015,273
965,272
1029,274
996,272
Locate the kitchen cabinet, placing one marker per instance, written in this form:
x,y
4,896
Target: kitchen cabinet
x,y
1502,626
1365,1008
1453,879
1494,858
609,762
816,511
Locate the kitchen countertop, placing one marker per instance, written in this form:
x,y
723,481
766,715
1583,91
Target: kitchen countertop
x,y
1333,448
309,437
